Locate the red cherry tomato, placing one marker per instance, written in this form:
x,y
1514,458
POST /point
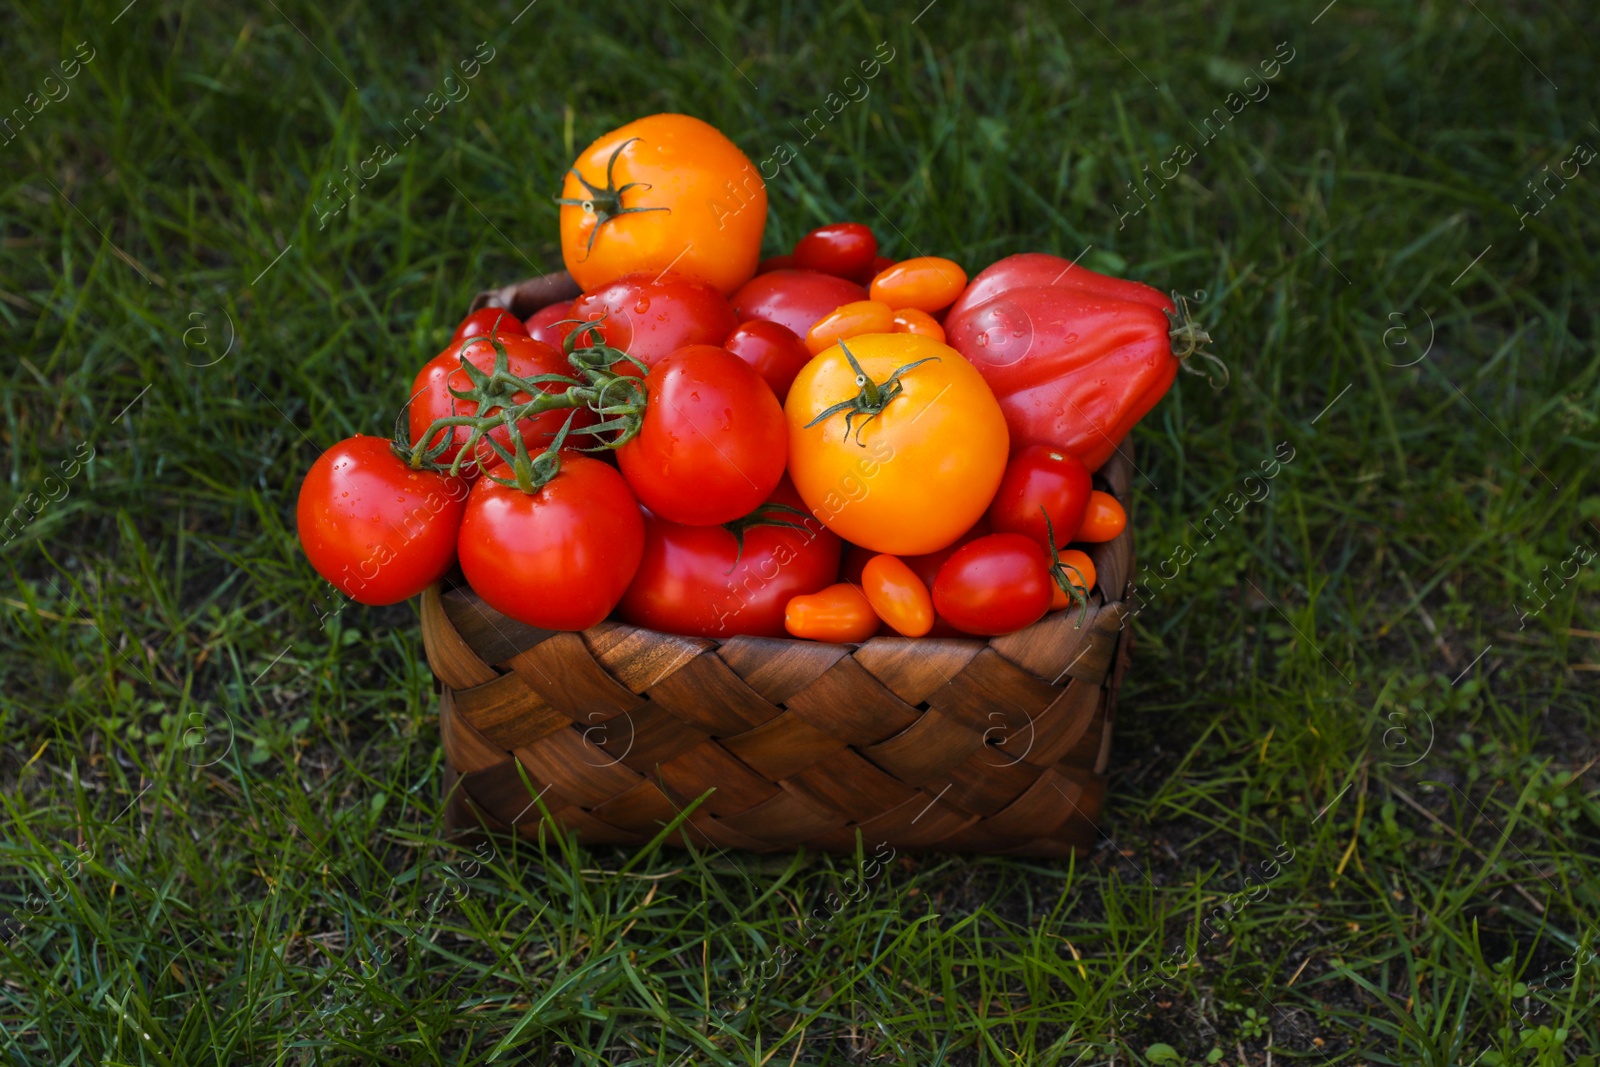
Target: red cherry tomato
x,y
375,528
542,324
480,322
713,443
794,298
559,558
847,321
897,595
910,320
839,614
431,399
1072,560
881,264
1039,477
776,352
994,585
843,249
648,316
699,581
926,283
1103,520
774,263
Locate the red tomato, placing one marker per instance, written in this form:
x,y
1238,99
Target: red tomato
x,y
843,249
1104,518
794,298
897,595
1040,477
480,322
926,283
542,324
839,614
774,263
713,442
994,585
776,352
847,321
648,315
431,399
697,580
559,558
375,528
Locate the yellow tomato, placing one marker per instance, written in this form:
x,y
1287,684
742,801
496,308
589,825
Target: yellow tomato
x,y
916,460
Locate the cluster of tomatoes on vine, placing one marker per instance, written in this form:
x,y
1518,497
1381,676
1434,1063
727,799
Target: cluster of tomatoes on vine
x,y
823,444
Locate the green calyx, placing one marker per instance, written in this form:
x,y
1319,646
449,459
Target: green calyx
x,y
872,398
1189,339
605,203
785,516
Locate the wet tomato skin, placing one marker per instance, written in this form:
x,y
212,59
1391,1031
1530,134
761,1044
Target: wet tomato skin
x,y
482,321
1039,481
648,316
775,351
541,325
994,585
794,298
843,249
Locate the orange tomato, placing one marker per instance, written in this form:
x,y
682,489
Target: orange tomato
x,y
926,283
910,320
839,614
1104,519
903,459
1073,559
897,595
847,321
663,191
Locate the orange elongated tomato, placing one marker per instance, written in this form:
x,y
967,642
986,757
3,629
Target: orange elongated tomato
x,y
914,461
910,320
1103,520
840,614
847,321
663,191
897,595
926,283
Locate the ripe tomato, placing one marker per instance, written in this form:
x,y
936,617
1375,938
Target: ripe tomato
x,y
480,322
648,316
1073,560
897,595
847,321
916,475
910,320
839,614
776,352
559,558
701,581
794,298
712,444
664,191
774,263
1042,481
1103,520
542,326
926,283
926,566
375,528
843,249
431,399
994,585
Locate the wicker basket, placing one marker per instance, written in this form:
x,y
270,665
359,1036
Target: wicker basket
x,y
928,744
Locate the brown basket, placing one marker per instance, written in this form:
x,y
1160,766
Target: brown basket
x,y
924,744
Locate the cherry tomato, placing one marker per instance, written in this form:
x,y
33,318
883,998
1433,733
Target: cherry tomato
x,y
648,315
542,324
1103,520
794,298
480,322
375,528
701,581
559,558
1042,481
774,263
994,585
774,351
853,562
926,567
1072,559
712,446
839,614
431,399
897,595
664,191
843,249
881,264
847,321
926,283
916,475
910,320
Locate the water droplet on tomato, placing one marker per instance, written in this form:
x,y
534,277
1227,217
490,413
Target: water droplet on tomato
x,y
982,339
641,305
1072,338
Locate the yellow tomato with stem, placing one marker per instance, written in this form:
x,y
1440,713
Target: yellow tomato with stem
x,y
896,442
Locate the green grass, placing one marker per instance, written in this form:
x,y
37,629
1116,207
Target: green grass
x,y
221,833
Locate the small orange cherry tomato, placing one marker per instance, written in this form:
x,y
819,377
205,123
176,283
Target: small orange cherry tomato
x,y
847,321
910,320
897,595
1104,519
1073,560
840,614
926,283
